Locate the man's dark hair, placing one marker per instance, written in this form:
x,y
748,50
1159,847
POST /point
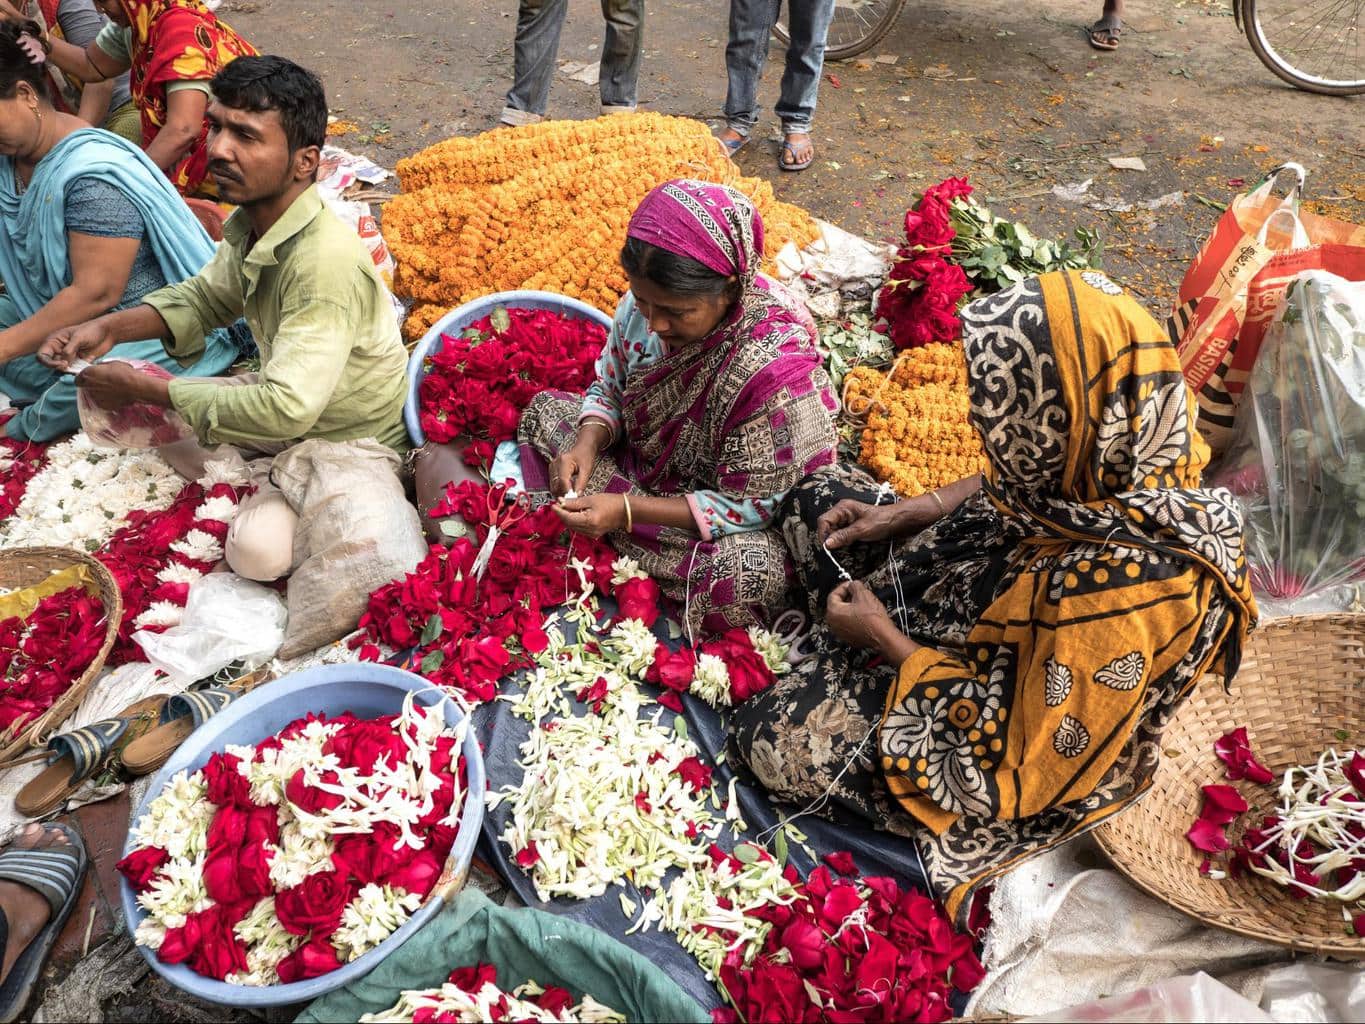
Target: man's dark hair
x,y
15,67
258,84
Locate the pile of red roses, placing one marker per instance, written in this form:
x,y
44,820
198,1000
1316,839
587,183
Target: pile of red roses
x,y
469,633
674,671
849,950
43,654
919,300
367,874
478,383
20,462
141,552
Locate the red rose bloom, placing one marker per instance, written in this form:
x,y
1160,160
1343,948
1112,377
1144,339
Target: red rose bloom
x,y
311,960
315,904
639,598
672,670
141,866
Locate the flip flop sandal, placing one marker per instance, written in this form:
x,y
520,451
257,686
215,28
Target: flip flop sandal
x,y
55,873
789,147
182,714
733,146
75,756
1104,35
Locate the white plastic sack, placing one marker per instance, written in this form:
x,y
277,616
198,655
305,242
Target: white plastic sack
x,y
226,619
1196,997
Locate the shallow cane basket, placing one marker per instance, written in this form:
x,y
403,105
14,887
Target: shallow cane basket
x,y
27,567
1301,688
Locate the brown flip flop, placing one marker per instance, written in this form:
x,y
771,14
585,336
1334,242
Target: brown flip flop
x,y
75,756
182,714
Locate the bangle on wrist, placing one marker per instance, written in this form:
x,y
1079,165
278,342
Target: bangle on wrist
x,y
630,519
942,508
611,434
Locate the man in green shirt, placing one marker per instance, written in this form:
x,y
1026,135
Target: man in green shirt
x,y
332,362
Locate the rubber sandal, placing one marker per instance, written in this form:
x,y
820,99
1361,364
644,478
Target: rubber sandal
x,y
75,756
733,146
788,147
183,713
1104,34
55,873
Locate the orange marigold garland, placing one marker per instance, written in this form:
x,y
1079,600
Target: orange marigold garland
x,y
546,207
917,436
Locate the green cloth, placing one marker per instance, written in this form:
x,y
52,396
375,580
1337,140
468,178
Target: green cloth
x,y
125,122
332,363
117,42
524,945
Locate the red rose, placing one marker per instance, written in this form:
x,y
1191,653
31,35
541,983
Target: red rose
x,y
473,979
926,224
694,773
140,866
311,799
672,670
671,700
365,744
417,874
805,942
638,598
238,875
207,943
226,784
233,827
311,960
841,862
315,904
555,1000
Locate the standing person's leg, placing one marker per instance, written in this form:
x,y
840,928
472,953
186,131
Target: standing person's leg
x,y
751,25
1104,34
809,22
539,23
621,52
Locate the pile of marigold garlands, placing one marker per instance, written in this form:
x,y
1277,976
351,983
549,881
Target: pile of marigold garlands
x,y
546,207
917,435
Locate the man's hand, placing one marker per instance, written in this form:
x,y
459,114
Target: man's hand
x,y
115,385
570,471
593,516
86,341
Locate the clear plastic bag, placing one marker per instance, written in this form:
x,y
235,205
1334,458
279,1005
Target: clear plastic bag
x,y
1194,997
140,425
1297,459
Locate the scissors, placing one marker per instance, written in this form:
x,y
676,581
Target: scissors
x,y
505,510
793,629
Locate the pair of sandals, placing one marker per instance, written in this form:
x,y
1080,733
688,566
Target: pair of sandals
x,y
789,160
55,872
138,741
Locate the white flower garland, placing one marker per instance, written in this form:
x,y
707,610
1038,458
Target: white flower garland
x,y
450,1002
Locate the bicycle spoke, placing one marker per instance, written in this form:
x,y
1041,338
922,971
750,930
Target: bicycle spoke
x,y
1319,41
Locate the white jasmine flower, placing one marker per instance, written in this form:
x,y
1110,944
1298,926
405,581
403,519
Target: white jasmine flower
x,y
178,820
711,681
149,934
176,572
199,546
625,569
375,914
223,509
176,891
634,643
771,648
230,470
160,613
299,856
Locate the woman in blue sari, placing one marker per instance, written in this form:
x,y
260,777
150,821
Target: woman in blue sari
x,y
87,225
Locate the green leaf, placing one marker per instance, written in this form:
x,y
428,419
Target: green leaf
x,y
1342,735
680,727
454,528
500,319
433,662
432,629
780,846
745,853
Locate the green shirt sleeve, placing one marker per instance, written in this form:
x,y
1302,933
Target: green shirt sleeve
x,y
203,85
116,41
307,357
212,298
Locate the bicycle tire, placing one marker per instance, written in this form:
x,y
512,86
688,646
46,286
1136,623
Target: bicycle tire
x,y
873,36
1281,68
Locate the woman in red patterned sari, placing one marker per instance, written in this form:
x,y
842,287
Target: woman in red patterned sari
x,y
173,48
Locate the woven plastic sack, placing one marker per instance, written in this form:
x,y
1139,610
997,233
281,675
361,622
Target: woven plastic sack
x,y
524,945
1297,458
1236,283
140,425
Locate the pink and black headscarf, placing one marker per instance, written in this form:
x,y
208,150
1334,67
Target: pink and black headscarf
x,y
758,375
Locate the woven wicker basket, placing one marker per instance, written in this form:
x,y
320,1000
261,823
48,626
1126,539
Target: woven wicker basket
x,y
27,567
1299,686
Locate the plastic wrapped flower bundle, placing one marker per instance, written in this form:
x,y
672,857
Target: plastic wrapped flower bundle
x,y
472,995
44,652
478,382
918,436
546,206
286,860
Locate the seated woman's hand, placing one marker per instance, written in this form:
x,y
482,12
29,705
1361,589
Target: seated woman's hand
x,y
593,516
856,617
851,522
571,470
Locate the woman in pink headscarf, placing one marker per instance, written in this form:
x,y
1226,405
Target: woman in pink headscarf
x,y
710,404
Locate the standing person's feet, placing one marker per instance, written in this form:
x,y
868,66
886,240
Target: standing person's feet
x,y
1104,34
798,152
40,874
732,140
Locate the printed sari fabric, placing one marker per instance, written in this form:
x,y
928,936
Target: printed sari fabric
x,y
1066,610
745,413
66,93
178,41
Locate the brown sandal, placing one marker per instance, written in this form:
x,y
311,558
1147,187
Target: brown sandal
x,y
182,714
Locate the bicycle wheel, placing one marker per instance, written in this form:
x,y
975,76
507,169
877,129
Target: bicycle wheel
x,y
856,27
1315,45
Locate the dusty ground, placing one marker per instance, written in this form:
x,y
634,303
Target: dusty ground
x,y
1007,93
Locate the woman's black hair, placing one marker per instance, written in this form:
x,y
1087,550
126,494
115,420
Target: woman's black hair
x,y
674,272
15,67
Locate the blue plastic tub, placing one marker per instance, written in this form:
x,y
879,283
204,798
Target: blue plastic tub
x,y
460,318
368,691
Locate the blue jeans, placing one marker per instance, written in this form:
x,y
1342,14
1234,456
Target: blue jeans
x,y
751,26
539,23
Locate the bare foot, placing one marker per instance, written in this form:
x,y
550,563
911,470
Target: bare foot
x,y
25,910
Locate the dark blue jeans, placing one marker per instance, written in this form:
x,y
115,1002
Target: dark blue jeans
x,y
751,26
539,23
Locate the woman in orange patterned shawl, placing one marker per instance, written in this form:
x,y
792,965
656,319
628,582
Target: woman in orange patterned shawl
x,y
173,49
1000,681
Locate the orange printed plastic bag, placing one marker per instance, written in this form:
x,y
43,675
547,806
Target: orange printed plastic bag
x,y
1234,286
